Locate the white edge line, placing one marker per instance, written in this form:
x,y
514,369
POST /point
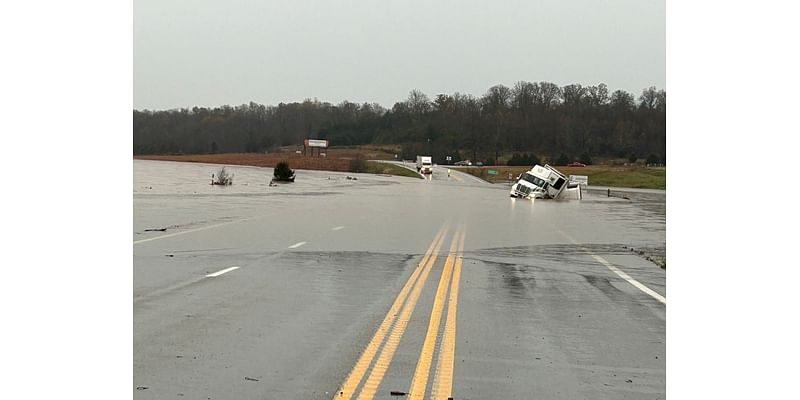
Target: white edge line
x,y
337,228
296,245
218,273
630,280
623,275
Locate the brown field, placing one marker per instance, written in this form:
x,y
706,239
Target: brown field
x,y
337,159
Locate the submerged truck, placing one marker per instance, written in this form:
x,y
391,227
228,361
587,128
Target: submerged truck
x,y
545,182
424,165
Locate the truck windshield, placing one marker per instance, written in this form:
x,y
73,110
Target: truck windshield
x,y
534,180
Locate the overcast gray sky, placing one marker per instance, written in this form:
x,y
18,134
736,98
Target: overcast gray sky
x,y
210,53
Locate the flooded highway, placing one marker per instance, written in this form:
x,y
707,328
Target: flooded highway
x,y
385,286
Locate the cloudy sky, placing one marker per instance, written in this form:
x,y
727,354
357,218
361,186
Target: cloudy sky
x,y
210,53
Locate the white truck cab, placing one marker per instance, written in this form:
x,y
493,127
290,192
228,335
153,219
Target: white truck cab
x,y
541,183
424,165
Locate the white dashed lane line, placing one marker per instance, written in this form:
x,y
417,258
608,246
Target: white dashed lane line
x,y
337,228
296,245
218,273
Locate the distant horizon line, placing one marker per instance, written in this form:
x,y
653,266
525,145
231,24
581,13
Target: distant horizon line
x,y
316,99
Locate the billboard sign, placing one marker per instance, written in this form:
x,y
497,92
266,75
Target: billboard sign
x,y
582,179
316,143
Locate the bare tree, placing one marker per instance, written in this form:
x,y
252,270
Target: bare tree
x,y
622,101
598,95
574,95
496,103
418,102
661,101
649,98
547,94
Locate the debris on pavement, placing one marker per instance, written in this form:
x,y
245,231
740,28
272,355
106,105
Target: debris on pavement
x,y
655,256
222,177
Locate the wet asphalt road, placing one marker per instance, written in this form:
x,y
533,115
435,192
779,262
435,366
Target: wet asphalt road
x,y
551,302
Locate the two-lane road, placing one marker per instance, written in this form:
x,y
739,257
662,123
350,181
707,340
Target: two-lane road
x,y
332,288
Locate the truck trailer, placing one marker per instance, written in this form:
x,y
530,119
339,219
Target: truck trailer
x,y
424,165
545,182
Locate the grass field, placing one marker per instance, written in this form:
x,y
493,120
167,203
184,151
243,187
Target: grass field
x,y
636,176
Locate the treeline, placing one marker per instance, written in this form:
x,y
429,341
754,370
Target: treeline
x,y
540,118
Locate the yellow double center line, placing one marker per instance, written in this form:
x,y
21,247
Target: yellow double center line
x,y
354,378
443,380
409,294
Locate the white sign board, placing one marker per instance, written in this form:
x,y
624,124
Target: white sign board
x,y
582,179
317,143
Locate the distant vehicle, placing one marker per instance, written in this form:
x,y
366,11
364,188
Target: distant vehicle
x,y
464,163
543,183
479,163
424,165
576,164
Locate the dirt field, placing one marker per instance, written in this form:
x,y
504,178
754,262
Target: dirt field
x,y
337,159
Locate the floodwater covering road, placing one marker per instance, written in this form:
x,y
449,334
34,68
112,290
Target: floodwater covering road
x,y
334,288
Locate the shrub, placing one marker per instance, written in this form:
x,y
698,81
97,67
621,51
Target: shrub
x,y
585,159
632,158
653,159
562,160
282,171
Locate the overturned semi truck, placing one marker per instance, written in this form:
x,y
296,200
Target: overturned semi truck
x,y
545,182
